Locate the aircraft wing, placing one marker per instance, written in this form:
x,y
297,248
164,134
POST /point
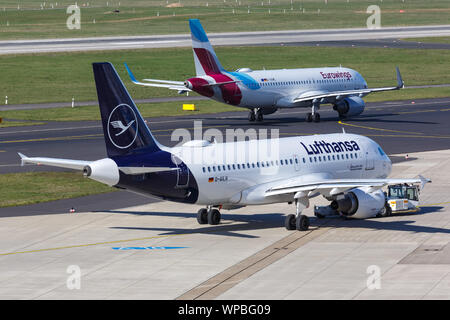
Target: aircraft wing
x,y
172,85
337,95
332,187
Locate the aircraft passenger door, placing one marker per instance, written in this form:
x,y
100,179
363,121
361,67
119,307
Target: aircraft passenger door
x,y
296,163
370,161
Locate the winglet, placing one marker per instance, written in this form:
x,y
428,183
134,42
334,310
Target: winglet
x,y
423,181
400,82
130,74
22,158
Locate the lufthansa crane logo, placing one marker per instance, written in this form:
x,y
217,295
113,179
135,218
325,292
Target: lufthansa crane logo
x,y
122,126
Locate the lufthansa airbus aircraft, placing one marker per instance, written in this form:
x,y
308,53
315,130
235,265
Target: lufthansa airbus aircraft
x,y
265,91
348,170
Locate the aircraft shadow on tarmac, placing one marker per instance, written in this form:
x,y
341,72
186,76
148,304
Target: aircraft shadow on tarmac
x,y
288,120
276,220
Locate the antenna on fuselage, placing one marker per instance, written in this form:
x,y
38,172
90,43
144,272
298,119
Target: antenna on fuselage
x,y
343,130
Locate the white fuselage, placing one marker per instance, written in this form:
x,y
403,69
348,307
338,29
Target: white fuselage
x,y
236,172
278,88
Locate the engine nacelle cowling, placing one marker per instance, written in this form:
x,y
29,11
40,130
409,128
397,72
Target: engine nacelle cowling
x,y
360,204
104,171
351,106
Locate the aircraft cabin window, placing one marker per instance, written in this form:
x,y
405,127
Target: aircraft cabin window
x,y
356,155
262,164
257,164
315,159
296,160
333,157
234,167
346,155
214,168
351,155
229,167
218,168
203,169
304,161
290,160
209,169
281,161
239,166
329,158
253,165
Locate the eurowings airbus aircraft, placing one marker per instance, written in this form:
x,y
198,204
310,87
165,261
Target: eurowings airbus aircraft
x,y
347,169
265,91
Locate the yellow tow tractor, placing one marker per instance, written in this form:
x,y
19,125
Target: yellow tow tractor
x,y
402,198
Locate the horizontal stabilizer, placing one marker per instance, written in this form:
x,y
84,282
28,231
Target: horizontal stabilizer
x,y
54,162
172,85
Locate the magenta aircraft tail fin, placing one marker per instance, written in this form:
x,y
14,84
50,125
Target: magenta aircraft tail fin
x,y
206,61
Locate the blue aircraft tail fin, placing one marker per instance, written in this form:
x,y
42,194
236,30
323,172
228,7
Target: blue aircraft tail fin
x,y
123,126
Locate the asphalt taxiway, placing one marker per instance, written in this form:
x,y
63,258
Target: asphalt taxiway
x,y
398,126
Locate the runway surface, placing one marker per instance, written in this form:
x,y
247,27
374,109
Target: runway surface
x,y
222,39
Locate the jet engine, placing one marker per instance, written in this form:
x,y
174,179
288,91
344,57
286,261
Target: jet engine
x,y
360,203
104,171
351,106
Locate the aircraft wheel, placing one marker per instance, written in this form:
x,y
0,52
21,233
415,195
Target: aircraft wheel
x,y
214,217
289,222
316,117
387,211
251,116
202,216
302,223
308,117
259,115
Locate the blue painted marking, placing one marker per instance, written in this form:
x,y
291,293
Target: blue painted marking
x,y
197,30
248,81
147,248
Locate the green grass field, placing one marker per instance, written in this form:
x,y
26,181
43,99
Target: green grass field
x,y
87,113
31,19
149,110
57,77
33,187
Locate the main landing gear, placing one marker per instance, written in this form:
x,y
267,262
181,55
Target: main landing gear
x,y
298,221
255,114
208,215
313,115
